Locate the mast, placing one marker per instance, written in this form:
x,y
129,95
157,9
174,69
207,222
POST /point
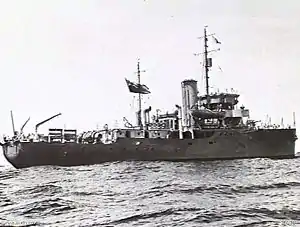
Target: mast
x,y
140,96
207,61
206,64
139,117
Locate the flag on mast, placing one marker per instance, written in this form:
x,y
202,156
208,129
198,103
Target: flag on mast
x,y
137,88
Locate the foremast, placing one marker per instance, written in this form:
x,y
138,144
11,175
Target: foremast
x,y
139,113
140,89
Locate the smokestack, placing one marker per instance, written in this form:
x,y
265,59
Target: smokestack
x,y
147,116
189,99
180,121
138,118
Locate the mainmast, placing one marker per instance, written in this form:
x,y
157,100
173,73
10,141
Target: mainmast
x,y
207,61
206,64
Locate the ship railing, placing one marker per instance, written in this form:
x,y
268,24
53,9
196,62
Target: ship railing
x,y
278,127
273,126
158,125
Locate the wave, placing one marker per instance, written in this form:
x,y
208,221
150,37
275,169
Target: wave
x,y
52,206
155,194
242,217
226,188
44,190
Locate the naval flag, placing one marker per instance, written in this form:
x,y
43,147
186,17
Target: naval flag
x,y
137,88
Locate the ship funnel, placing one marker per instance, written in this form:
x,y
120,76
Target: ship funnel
x,y
179,121
147,115
189,100
138,123
43,122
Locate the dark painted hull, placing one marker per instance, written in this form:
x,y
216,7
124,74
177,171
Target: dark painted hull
x,y
272,143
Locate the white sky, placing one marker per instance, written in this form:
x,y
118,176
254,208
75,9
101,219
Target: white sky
x,y
71,56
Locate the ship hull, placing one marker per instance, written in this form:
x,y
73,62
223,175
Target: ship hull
x,y
267,143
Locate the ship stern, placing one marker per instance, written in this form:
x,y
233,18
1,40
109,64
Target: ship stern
x,y
11,152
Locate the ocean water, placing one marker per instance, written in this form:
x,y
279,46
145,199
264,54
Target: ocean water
x,y
257,192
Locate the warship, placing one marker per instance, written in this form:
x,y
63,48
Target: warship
x,y
207,126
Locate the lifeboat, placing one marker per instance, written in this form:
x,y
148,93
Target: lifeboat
x,y
206,114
